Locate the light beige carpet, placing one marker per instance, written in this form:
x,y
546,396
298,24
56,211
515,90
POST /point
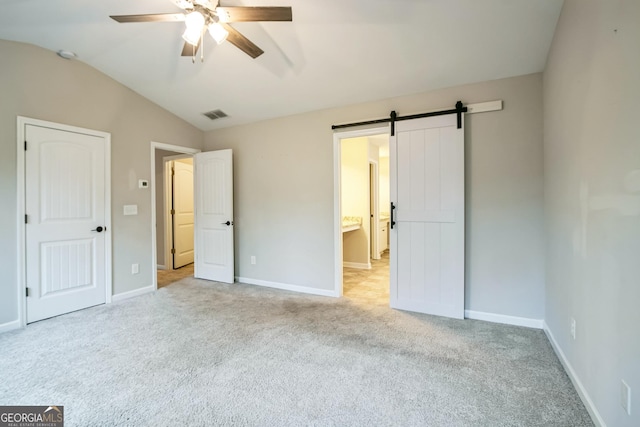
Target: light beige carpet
x,y
200,353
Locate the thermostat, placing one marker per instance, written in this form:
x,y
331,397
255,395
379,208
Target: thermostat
x,y
143,183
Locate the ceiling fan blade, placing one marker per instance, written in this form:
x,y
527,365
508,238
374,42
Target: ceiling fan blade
x,y
190,50
241,42
156,17
244,14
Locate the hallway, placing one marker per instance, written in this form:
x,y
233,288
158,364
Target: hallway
x,y
369,287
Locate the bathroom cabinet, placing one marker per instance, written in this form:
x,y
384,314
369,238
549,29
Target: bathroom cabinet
x,y
383,235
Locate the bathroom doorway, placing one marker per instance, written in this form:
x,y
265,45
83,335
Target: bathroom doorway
x,y
362,216
172,187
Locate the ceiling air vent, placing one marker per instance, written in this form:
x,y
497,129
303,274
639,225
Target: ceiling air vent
x,y
215,114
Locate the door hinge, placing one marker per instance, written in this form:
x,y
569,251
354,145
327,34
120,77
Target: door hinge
x,y
25,145
26,219
173,171
173,251
26,292
173,212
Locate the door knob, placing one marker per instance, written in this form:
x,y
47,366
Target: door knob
x,y
227,223
99,229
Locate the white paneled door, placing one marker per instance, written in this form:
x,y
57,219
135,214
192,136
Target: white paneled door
x,y
427,239
214,216
65,203
182,212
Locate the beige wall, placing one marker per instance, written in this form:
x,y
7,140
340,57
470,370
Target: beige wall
x,y
355,198
383,186
36,83
159,171
592,198
284,189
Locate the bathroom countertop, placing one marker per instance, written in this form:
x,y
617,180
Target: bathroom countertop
x,y
351,223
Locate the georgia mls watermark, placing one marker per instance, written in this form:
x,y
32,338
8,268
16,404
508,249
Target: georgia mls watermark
x,y
31,416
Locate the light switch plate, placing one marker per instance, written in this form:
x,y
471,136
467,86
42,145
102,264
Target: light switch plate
x,y
130,210
143,183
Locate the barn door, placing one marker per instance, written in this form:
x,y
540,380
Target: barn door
x,y
427,239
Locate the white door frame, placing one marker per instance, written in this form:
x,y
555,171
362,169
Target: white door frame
x,y
375,203
168,229
21,285
337,197
154,250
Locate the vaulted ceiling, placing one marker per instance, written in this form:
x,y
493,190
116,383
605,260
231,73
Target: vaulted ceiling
x,y
334,53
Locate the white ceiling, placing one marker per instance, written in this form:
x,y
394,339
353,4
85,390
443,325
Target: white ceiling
x,y
334,53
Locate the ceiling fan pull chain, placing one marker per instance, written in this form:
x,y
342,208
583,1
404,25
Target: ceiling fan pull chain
x,y
202,44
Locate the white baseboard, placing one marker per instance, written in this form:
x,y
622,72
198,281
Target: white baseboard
x,y
10,326
501,318
133,293
358,265
582,392
288,287
161,267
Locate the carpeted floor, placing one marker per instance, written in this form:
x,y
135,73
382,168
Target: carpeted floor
x,y
200,353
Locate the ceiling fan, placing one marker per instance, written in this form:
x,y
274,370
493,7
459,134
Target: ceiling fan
x,y
201,16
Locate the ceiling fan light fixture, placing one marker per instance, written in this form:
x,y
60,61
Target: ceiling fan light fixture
x,y
218,32
191,37
195,23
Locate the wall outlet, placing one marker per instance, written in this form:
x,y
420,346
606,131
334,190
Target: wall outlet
x,y
625,397
573,328
253,260
135,268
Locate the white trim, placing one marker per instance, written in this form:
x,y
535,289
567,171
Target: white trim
x,y
337,197
167,163
21,197
482,107
358,265
168,230
21,241
288,287
10,326
154,250
501,318
133,293
374,231
162,267
582,392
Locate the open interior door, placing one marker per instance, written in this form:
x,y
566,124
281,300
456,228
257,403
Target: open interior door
x,y
214,216
182,211
427,195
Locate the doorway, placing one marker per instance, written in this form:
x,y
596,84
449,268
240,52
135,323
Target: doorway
x,y
361,217
178,213
172,252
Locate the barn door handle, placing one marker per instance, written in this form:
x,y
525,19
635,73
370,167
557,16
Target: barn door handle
x,y
227,223
99,229
392,221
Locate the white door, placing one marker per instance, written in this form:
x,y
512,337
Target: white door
x,y
214,216
427,240
182,186
66,209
